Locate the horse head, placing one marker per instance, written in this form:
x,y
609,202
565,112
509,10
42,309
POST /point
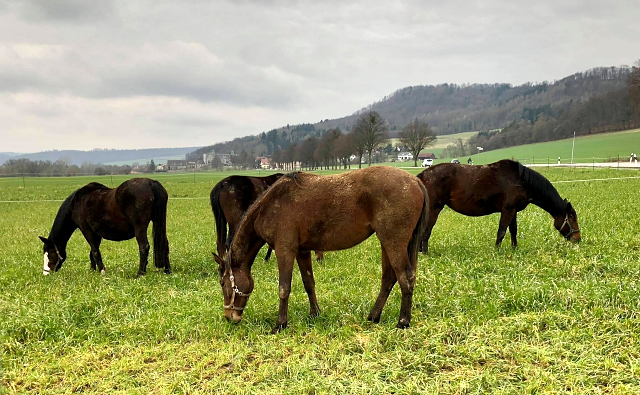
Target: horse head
x,y
237,286
567,223
53,259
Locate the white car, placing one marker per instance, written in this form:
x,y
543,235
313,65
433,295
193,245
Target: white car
x,y
426,163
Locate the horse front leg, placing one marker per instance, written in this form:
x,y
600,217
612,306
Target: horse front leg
x,y
505,219
94,242
285,270
306,271
143,247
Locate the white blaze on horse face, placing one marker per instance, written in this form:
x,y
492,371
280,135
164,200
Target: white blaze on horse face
x,y
45,269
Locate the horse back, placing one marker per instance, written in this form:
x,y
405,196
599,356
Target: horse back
x,y
327,213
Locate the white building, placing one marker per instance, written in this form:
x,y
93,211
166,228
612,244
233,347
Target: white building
x,y
405,156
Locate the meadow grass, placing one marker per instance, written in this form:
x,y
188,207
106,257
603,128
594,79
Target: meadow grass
x,y
548,317
602,147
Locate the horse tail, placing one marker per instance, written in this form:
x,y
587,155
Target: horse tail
x,y
159,218
221,220
418,231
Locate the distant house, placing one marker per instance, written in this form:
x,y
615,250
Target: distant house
x,y
161,167
265,163
207,158
426,155
177,164
405,156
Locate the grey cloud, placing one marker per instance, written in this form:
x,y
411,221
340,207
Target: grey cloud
x,y
64,10
169,69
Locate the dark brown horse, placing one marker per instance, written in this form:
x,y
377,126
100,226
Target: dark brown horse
x,y
303,212
504,187
113,214
230,199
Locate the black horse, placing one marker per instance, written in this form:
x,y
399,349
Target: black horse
x,y
113,214
230,199
504,187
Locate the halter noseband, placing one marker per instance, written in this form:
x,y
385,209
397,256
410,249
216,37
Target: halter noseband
x,y
571,230
236,291
61,260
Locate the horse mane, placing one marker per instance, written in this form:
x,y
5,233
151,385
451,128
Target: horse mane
x,y
66,208
64,214
540,188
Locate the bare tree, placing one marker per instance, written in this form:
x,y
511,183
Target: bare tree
x,y
634,87
371,131
416,136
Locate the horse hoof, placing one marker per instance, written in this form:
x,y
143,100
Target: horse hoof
x,y
140,274
375,320
102,271
167,272
278,328
402,324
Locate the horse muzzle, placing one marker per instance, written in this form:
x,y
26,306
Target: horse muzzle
x,y
234,316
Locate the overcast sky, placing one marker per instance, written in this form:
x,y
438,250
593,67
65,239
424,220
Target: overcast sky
x,y
79,74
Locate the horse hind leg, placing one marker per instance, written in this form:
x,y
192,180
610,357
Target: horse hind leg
x,y
268,256
431,222
505,219
143,246
513,229
387,283
306,271
406,277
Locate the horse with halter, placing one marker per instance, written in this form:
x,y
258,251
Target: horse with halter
x,y
504,187
303,212
115,214
230,199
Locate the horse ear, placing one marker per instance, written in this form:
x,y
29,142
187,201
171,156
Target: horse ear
x,y
44,240
217,258
569,207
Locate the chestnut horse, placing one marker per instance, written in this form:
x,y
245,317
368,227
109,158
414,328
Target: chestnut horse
x,y
115,214
504,187
303,212
230,199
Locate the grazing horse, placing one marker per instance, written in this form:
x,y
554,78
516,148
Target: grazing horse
x,y
504,187
230,199
113,214
303,212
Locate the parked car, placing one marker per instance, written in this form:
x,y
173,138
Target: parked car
x,y
426,163
455,161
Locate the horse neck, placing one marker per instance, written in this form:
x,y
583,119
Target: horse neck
x,y
550,202
245,245
62,229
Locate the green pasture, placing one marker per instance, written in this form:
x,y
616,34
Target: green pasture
x,y
549,317
604,147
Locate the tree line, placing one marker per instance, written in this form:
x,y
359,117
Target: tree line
x,y
613,111
58,168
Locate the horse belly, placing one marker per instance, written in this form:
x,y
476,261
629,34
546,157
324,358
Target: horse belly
x,y
335,238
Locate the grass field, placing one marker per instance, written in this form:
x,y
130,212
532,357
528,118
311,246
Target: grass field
x,y
597,147
549,317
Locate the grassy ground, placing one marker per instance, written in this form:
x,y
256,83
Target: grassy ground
x,y
599,147
549,317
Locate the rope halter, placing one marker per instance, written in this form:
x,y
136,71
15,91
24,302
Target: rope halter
x,y
571,229
236,291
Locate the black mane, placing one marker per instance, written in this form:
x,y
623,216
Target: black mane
x,y
541,189
61,222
